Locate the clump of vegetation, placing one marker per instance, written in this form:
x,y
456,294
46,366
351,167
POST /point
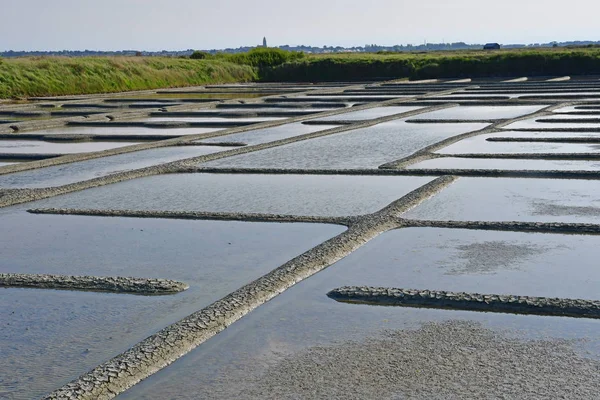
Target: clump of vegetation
x,y
54,76
262,57
200,55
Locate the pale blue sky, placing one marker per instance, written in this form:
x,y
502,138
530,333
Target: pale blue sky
x,y
202,24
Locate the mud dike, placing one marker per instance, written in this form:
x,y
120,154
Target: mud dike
x,y
93,283
228,204
467,301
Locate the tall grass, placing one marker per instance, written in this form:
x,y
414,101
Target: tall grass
x,y
52,76
262,58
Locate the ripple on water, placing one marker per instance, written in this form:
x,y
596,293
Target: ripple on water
x,y
365,148
48,338
504,199
358,350
322,195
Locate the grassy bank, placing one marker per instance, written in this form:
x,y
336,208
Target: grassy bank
x,y
539,62
54,76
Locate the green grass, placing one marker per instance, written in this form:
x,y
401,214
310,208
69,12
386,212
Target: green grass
x,y
446,64
262,58
54,76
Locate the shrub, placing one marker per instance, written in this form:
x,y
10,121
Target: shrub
x,y
200,55
261,57
428,71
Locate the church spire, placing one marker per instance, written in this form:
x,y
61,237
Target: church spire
x,y
264,42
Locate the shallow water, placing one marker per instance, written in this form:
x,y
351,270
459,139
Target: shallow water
x,y
183,95
480,112
259,136
564,95
360,148
345,97
507,164
89,169
516,199
370,113
475,95
457,260
100,130
534,123
325,195
545,134
209,119
50,337
571,109
149,104
575,96
245,358
479,145
226,110
582,120
42,147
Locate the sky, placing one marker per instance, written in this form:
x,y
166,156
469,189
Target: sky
x,y
213,24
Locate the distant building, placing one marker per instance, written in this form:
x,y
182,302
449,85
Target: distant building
x,y
491,46
264,42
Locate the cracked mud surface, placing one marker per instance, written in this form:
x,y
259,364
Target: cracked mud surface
x,y
490,256
453,360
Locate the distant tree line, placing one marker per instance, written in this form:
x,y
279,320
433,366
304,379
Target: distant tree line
x,y
367,48
93,53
